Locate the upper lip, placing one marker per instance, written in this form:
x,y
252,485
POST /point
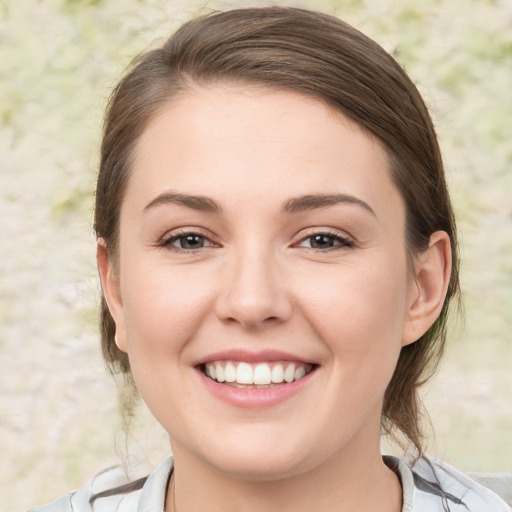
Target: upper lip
x,y
248,356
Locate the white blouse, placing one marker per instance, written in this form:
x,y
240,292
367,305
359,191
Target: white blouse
x,y
429,485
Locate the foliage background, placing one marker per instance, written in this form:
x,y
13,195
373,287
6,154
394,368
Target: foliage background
x,y
60,417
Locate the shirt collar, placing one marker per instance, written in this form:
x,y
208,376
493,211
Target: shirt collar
x,y
152,498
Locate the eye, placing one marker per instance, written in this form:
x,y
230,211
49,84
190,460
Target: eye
x,y
325,241
187,242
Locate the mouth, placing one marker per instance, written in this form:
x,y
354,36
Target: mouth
x,y
242,374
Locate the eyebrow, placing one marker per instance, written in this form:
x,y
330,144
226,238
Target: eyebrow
x,y
293,205
314,201
200,203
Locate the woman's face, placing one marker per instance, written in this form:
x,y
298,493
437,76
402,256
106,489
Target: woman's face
x,y
261,239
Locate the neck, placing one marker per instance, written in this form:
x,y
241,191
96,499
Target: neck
x,y
342,483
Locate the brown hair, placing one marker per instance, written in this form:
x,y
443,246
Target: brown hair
x,y
322,57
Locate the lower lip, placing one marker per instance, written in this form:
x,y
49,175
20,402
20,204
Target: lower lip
x,y
255,397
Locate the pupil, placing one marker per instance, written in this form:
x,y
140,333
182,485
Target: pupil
x,y
322,241
191,242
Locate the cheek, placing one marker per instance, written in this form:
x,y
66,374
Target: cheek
x,y
163,310
163,306
358,312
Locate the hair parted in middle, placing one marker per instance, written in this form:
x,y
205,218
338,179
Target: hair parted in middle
x,y
322,57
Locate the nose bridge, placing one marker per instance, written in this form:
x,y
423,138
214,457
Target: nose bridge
x,y
254,290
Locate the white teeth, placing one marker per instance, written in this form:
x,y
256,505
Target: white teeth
x,y
262,374
277,374
289,373
300,372
220,373
230,372
244,374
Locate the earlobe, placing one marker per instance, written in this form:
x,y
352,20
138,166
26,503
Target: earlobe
x,y
432,272
111,291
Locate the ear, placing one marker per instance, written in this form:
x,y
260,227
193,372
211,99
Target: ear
x,y
432,270
111,291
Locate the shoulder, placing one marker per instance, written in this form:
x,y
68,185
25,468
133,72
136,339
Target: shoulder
x,y
433,485
62,504
464,490
500,483
115,489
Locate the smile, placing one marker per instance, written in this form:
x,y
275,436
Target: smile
x,y
264,374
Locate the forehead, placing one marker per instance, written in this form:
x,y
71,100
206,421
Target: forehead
x,y
252,142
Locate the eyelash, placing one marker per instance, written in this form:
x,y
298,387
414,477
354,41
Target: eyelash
x,y
167,243
339,241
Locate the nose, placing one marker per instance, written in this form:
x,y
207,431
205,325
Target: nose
x,y
254,292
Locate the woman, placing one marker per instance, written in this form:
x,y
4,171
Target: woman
x,y
277,253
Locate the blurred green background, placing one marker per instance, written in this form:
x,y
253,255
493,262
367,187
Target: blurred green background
x,y
60,419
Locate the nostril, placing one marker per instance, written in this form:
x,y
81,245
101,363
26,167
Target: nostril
x,y
251,305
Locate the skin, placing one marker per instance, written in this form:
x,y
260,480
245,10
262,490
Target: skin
x,y
257,284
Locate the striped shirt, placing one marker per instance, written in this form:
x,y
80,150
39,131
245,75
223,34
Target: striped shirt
x,y
428,486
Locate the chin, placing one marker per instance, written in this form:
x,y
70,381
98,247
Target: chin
x,y
261,468
253,460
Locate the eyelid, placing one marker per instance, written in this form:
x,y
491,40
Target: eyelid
x,y
166,240
346,240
